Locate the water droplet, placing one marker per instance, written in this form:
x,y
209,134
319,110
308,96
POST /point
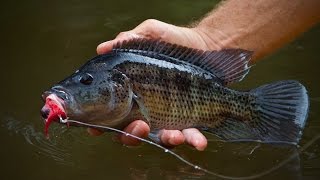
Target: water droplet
x,y
196,167
127,134
166,150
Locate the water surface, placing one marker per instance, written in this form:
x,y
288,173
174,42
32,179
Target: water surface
x,y
44,41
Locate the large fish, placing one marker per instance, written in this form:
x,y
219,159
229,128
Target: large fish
x,y
174,87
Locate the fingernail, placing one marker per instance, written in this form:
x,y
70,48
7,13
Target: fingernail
x,y
103,47
200,146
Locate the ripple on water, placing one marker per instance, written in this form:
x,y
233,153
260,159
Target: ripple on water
x,y
58,146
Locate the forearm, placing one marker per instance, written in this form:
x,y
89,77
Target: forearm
x,y
258,25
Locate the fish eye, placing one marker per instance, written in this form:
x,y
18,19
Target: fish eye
x,y
86,79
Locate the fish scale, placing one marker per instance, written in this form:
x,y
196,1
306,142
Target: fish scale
x,y
179,103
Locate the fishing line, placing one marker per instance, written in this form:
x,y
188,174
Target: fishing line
x,y
67,121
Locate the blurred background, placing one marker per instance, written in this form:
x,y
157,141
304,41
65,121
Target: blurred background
x,y
42,42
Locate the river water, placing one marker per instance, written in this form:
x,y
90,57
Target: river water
x,y
44,41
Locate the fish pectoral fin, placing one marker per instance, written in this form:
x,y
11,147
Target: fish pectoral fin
x,y
154,136
143,110
234,130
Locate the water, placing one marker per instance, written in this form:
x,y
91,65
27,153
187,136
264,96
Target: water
x,y
44,41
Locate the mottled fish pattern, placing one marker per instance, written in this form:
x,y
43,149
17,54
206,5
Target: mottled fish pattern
x,y
175,87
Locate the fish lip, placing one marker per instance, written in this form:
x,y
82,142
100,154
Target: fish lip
x,y
60,92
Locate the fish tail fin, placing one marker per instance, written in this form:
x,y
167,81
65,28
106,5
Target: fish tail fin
x,y
280,111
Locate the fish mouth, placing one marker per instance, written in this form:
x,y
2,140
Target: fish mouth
x,y
54,108
59,91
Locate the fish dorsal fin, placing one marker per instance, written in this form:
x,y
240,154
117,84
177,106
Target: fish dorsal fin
x,y
230,65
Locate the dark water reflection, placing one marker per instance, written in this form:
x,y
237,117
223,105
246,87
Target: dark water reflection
x,y
43,41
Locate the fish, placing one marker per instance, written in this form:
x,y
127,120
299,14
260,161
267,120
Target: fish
x,y
175,87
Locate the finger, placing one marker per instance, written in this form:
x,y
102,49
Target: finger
x,y
108,45
104,47
138,128
171,137
150,29
94,132
195,138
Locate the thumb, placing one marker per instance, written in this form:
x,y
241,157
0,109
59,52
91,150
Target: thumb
x,y
108,45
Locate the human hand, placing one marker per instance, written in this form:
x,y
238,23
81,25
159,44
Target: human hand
x,y
190,37
153,29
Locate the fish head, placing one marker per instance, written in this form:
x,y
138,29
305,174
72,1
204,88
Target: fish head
x,y
86,96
